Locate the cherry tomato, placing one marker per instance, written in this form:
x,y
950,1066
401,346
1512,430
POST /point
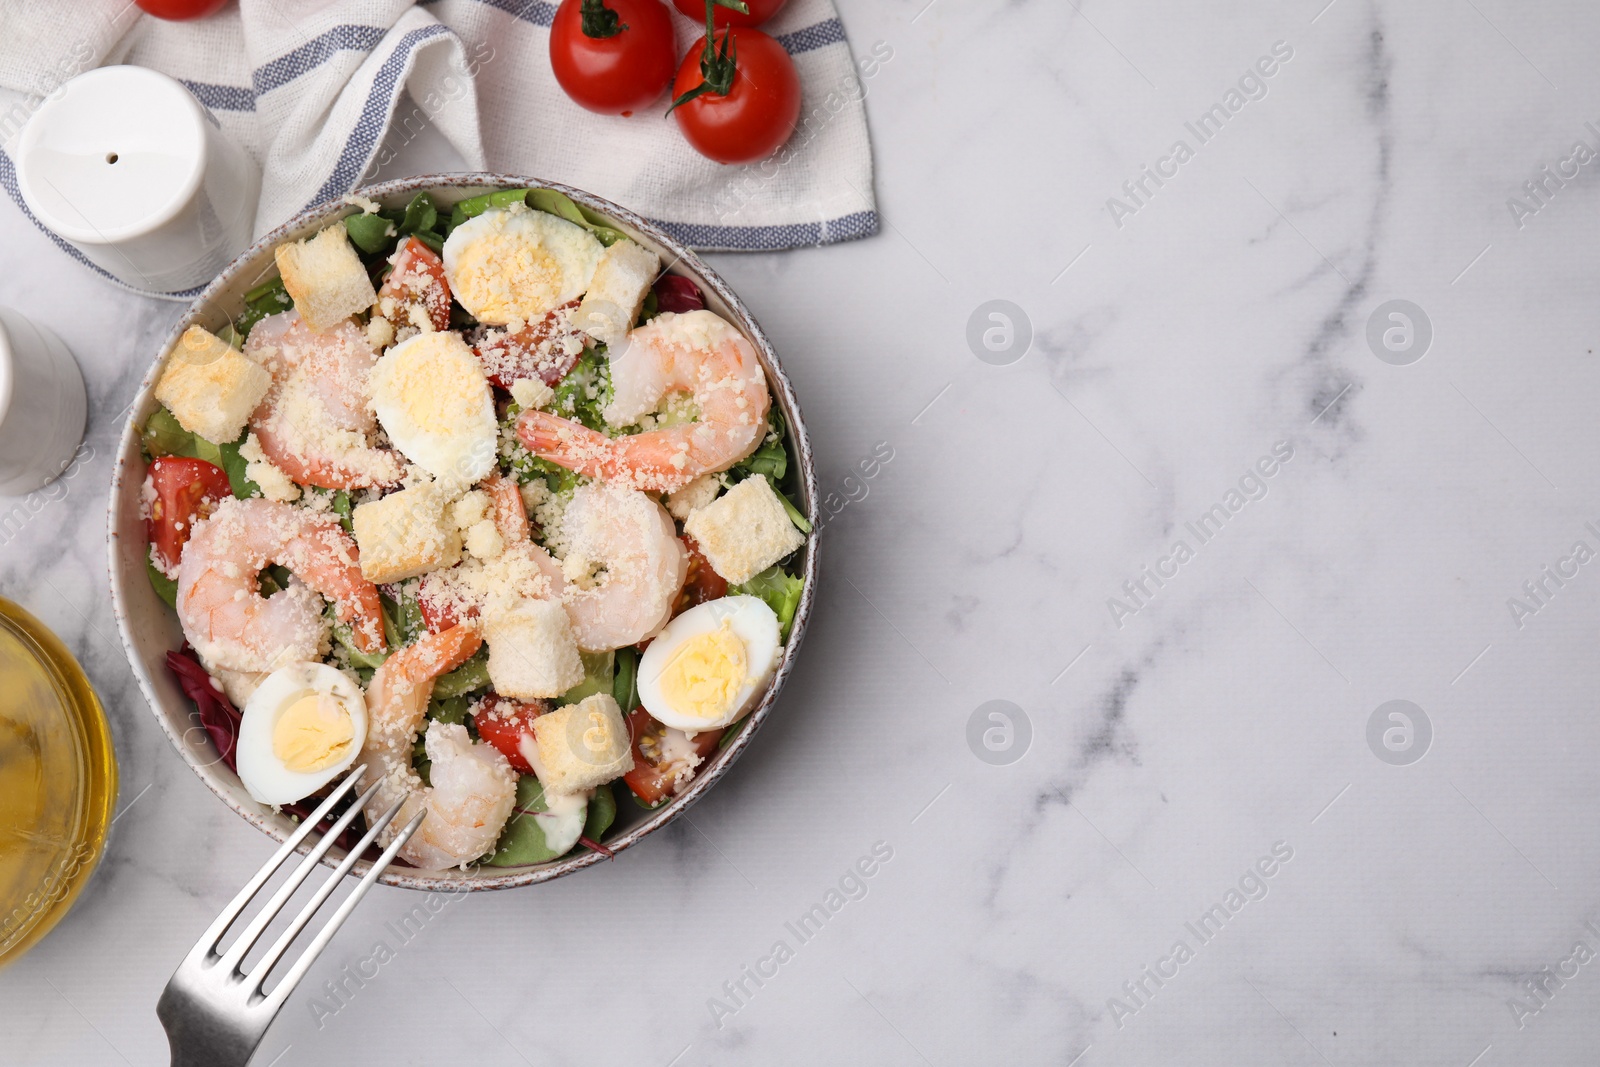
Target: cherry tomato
x,y
652,782
612,56
505,723
181,10
756,114
438,617
760,11
186,491
702,583
512,358
417,280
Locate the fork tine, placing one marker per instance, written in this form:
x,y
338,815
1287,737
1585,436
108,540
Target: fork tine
x,y
234,957
274,1000
207,945
258,975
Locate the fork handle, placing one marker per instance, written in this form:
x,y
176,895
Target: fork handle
x,y
196,1039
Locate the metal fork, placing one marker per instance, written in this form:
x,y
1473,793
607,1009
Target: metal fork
x,y
215,1014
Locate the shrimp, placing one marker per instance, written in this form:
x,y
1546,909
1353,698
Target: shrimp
x,y
220,606
474,787
642,565
316,422
510,513
697,352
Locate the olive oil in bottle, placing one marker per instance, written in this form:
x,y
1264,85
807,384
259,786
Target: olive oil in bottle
x,y
58,780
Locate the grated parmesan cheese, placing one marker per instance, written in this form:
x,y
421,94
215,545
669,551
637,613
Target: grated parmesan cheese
x,y
521,571
147,497
367,205
156,562
531,393
275,485
470,509
483,540
380,332
547,509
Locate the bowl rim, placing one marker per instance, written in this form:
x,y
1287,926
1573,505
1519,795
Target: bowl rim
x,y
446,186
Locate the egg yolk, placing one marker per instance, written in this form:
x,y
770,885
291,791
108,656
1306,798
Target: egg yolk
x,y
509,277
437,384
704,676
312,734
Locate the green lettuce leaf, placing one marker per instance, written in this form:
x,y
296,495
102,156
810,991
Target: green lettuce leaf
x,y
561,205
585,391
421,215
625,679
268,298
402,620
345,636
772,458
780,590
373,234
235,465
597,669
730,733
477,205
602,813
523,841
467,678
456,711
166,588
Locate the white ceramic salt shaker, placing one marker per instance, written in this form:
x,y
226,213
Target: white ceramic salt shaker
x,y
125,164
42,405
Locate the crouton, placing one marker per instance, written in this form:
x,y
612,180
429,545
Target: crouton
x,y
532,652
325,277
406,534
583,745
744,531
210,387
621,281
697,494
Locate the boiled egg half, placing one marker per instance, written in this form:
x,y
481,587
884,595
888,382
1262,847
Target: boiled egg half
x,y
711,664
514,264
302,728
436,406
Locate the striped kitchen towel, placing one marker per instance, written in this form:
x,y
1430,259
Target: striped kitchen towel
x,y
324,94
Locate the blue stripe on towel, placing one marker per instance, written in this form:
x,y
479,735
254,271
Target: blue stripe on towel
x,y
8,179
538,12
774,238
289,66
222,97
812,37
374,120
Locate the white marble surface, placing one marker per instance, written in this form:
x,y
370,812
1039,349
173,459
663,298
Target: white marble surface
x,y
1168,755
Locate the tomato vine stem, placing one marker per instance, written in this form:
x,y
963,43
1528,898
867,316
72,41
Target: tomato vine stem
x,y
717,66
599,21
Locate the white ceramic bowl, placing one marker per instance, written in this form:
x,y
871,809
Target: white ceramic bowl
x,y
149,628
